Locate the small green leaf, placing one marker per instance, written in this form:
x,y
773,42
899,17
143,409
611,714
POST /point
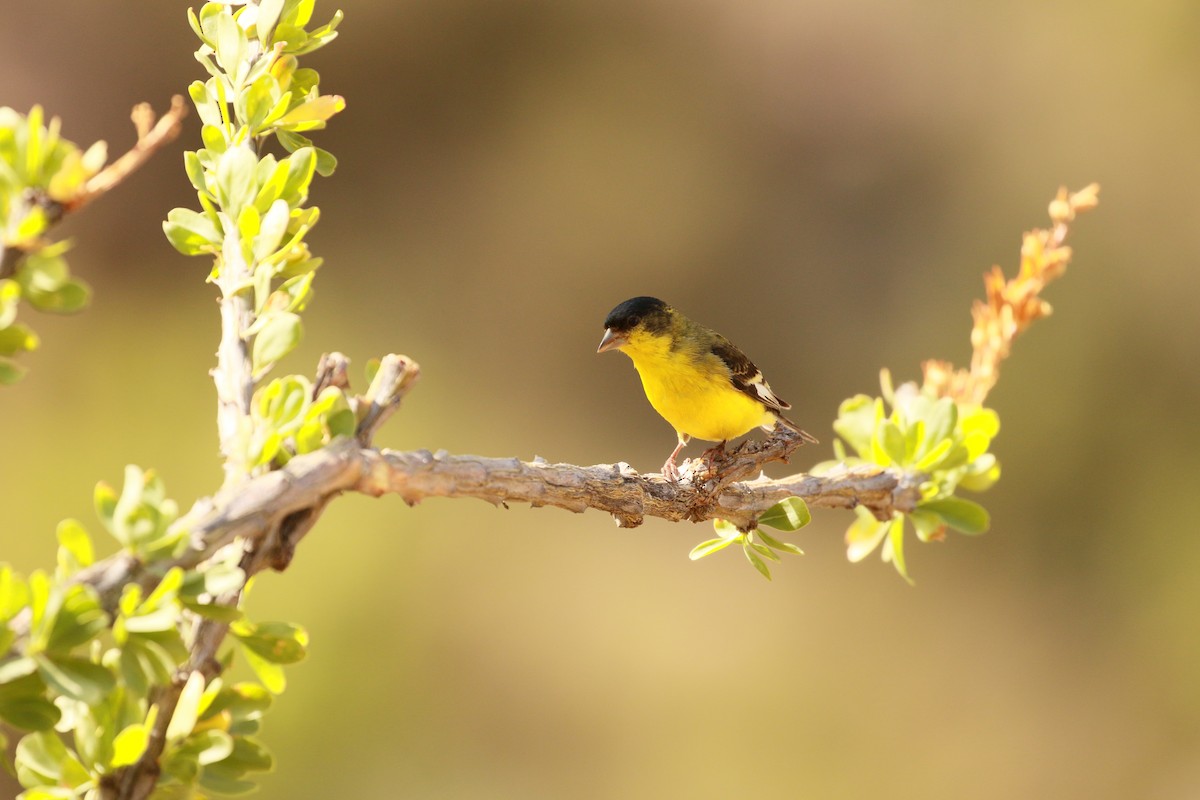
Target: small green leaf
x,y
709,547
757,562
76,678
187,709
863,535
271,230
29,713
191,232
74,547
301,165
10,372
894,548
763,550
789,514
277,642
129,744
326,163
17,338
236,179
230,44
268,17
269,673
278,337
964,516
770,541
889,443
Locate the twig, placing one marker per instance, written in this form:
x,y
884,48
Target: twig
x,y
151,136
1011,305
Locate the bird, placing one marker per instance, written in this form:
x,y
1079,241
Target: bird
x,y
694,377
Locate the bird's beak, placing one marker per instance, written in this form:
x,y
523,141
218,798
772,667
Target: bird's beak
x,y
611,341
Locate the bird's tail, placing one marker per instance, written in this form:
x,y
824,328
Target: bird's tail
x,y
804,435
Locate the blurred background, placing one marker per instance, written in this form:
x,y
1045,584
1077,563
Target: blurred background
x,y
824,183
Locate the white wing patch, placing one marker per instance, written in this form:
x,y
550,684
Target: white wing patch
x,y
765,394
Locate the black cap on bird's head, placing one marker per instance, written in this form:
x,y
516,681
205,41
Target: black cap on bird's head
x,y
649,312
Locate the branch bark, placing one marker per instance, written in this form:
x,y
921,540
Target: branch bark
x,y
257,509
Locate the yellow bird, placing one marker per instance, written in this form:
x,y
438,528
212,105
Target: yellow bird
x,y
694,377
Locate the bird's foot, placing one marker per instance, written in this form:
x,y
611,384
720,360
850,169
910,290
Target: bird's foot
x,y
713,456
670,471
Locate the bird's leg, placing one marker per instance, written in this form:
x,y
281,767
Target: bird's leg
x,y
668,468
713,454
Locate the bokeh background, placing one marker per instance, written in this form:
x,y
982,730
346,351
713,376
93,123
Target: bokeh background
x,y
823,182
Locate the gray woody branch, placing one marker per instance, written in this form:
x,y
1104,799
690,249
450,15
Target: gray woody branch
x,y
266,515
269,513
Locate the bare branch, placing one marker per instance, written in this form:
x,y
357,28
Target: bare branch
x,y
271,512
1012,305
151,136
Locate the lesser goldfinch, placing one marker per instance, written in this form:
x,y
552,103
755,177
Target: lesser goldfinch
x,y
694,377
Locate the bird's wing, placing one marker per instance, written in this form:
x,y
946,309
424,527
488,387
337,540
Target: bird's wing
x,y
746,377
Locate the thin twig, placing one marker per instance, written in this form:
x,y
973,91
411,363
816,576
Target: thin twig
x,y
1013,305
151,136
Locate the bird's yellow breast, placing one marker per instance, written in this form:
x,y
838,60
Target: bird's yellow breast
x,y
692,390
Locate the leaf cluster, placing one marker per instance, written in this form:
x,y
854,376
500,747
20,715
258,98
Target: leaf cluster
x,y
945,441
41,173
83,682
758,546
252,205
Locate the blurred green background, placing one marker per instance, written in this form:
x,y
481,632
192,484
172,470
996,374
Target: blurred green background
x,y
825,184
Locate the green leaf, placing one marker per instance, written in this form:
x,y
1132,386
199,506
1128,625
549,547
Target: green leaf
x,y
29,713
789,514
929,527
230,44
299,12
77,678
326,163
187,709
863,535
74,547
10,372
964,516
45,756
709,547
14,593
757,562
278,337
856,422
941,421
78,619
301,165
770,541
894,548
17,338
191,232
277,642
889,443
268,17
763,550
129,744
245,702
272,229
932,459
270,674
236,179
